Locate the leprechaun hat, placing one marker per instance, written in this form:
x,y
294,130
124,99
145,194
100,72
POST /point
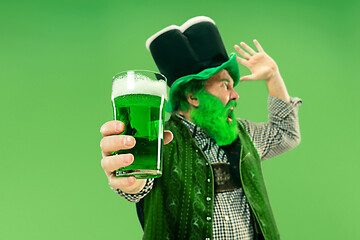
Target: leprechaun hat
x,y
192,51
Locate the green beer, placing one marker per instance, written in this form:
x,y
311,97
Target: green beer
x,y
139,102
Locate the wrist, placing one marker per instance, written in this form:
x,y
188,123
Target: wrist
x,y
274,77
137,187
277,88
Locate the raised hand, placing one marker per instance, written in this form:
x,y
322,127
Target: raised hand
x,y
261,65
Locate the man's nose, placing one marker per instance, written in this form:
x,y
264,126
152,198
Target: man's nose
x,y
234,95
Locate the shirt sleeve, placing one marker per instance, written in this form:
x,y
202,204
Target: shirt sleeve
x,y
281,133
134,198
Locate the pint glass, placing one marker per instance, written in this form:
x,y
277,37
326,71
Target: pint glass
x,y
139,98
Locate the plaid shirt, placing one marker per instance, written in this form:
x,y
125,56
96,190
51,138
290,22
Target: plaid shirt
x,y
231,209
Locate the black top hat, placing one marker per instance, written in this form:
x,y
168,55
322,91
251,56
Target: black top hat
x,y
194,50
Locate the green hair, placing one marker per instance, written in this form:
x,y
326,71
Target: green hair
x,y
193,86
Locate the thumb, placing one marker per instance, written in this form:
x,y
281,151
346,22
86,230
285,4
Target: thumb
x,y
168,136
248,77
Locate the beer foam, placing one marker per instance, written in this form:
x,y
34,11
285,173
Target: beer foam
x,y
132,83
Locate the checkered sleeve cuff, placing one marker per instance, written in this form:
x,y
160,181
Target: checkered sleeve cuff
x,y
280,108
134,198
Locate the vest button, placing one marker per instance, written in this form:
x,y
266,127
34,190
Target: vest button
x,y
208,218
208,180
207,238
208,199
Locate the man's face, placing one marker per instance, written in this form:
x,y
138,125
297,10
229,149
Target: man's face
x,y
214,113
221,86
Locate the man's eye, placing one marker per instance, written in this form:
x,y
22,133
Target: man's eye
x,y
226,86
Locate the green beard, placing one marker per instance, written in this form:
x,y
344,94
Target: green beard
x,y
212,117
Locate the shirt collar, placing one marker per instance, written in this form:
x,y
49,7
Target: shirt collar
x,y
206,144
194,129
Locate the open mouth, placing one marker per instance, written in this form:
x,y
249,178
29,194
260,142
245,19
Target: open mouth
x,y
229,116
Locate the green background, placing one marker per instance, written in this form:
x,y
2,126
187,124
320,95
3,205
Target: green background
x,y
57,59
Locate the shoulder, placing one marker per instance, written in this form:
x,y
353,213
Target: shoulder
x,y
177,127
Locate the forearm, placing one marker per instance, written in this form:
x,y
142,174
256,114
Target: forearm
x,y
281,133
276,87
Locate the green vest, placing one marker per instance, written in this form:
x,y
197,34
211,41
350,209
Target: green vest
x,y
181,203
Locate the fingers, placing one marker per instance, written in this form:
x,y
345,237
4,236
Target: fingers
x,y
112,163
247,77
242,61
258,46
168,136
242,52
112,127
114,143
127,184
247,48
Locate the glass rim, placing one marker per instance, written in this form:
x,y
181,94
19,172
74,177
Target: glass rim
x,y
139,70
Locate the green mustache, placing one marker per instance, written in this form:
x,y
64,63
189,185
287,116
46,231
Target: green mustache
x,y
231,104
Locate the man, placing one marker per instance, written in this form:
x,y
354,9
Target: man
x,y
212,185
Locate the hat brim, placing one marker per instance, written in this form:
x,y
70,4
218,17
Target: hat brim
x,y
231,66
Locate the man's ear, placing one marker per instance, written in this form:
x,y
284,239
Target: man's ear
x,y
193,101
